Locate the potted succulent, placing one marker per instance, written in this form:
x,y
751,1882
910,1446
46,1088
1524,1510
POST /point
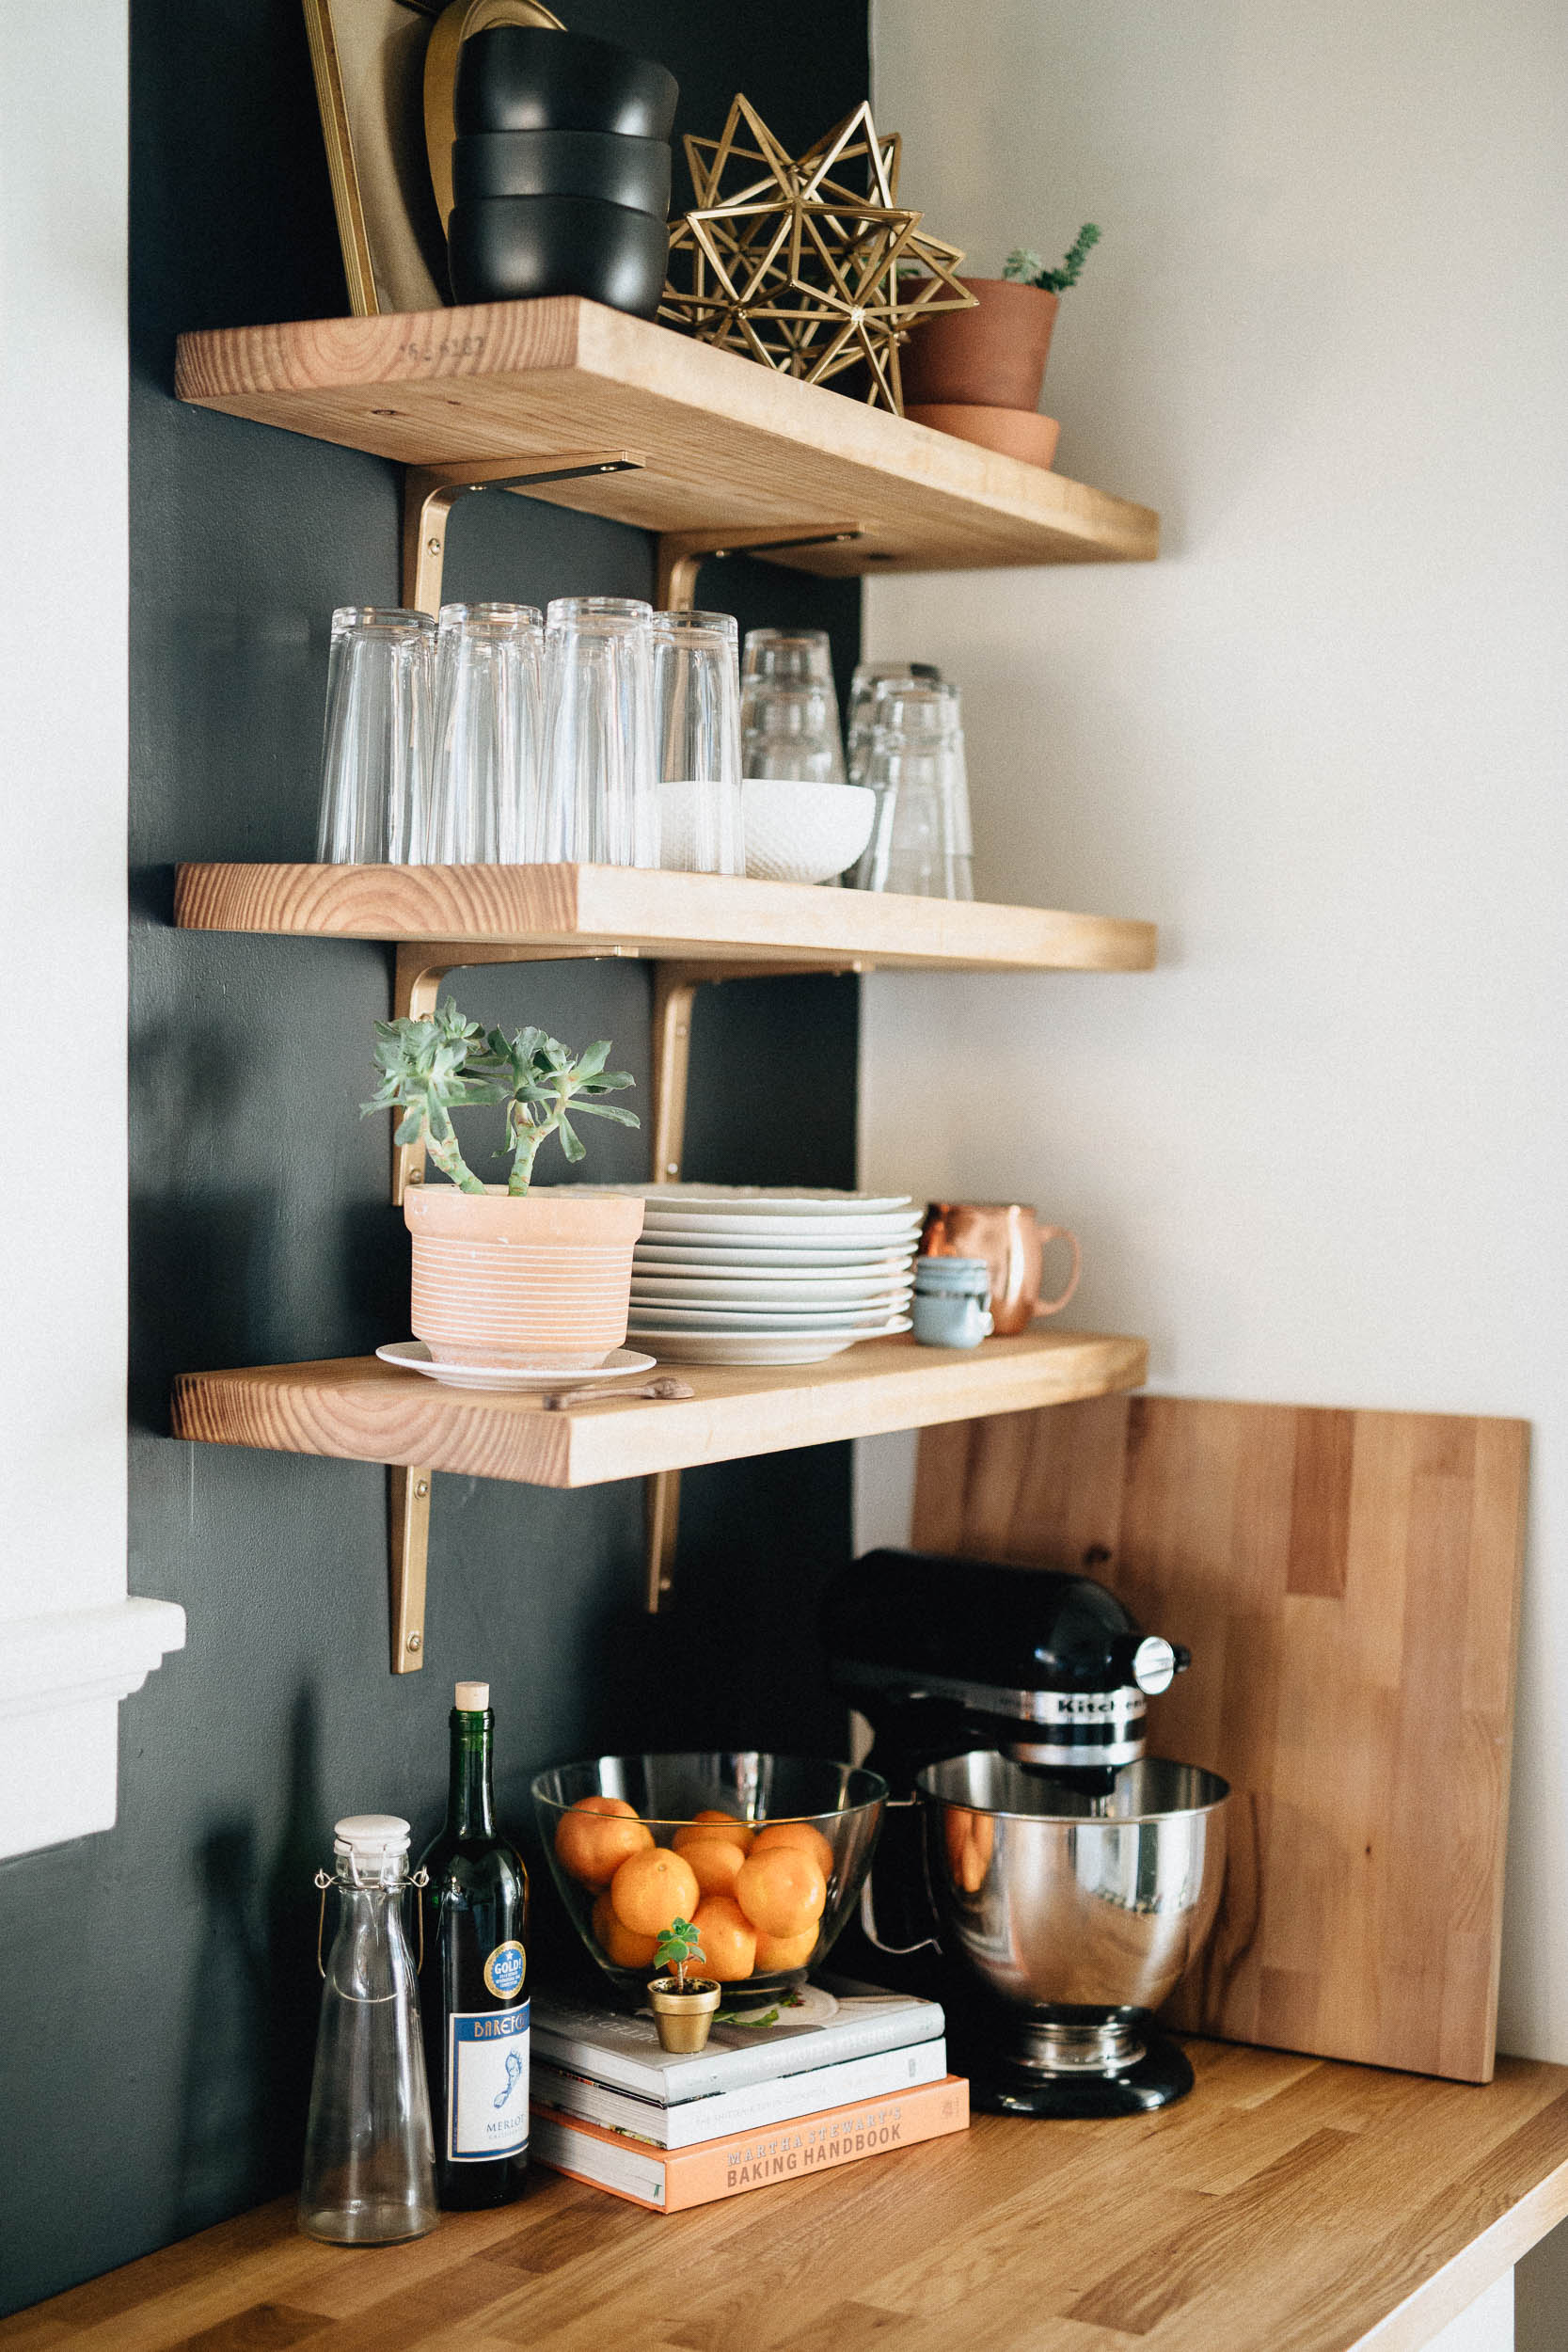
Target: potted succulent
x,y
504,1276
978,373
683,2006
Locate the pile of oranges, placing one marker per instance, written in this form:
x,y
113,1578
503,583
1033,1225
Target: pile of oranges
x,y
754,1895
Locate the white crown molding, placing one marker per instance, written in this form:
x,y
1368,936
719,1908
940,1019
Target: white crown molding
x,y
72,1655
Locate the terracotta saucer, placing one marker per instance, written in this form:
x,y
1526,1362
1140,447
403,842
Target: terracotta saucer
x,y
1015,432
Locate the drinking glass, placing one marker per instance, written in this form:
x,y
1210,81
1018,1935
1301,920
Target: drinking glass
x,y
486,770
375,746
598,802
788,708
863,698
920,839
697,742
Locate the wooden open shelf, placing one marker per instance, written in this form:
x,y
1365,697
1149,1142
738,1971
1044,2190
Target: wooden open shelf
x,y
613,909
719,445
363,1410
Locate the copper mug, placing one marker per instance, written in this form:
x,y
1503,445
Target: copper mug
x,y
1012,1241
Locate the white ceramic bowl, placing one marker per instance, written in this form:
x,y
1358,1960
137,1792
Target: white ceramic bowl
x,y
805,833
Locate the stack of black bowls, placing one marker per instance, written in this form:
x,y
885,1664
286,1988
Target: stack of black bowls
x,y
561,170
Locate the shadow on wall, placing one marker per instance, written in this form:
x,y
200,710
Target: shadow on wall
x,y
252,2000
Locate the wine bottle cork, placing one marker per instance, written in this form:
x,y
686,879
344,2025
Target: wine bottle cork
x,y
472,1698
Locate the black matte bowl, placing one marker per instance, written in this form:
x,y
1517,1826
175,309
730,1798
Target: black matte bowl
x,y
505,248
524,78
634,173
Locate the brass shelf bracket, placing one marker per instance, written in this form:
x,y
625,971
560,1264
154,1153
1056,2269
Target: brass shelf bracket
x,y
430,492
408,1508
683,553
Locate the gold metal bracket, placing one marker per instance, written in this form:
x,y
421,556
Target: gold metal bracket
x,y
683,553
430,492
408,1505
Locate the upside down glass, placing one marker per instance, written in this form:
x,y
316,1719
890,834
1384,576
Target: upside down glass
x,y
862,703
485,769
920,840
375,746
598,802
697,742
788,707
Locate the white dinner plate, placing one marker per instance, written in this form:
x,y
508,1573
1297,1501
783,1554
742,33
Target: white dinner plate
x,y
887,1232
741,1290
751,1347
414,1355
787,1258
751,1201
762,1318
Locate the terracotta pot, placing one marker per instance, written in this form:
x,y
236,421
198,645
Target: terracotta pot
x,y
543,1278
1016,432
993,357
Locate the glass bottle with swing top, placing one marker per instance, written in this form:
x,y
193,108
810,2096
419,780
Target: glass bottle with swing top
x,y
369,2177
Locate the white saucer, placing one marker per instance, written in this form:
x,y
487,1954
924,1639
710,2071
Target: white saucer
x,y
414,1355
770,1347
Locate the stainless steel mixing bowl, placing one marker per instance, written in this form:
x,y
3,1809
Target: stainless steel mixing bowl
x,y
1063,1900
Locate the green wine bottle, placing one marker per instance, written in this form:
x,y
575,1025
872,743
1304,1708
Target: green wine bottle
x,y
474,2002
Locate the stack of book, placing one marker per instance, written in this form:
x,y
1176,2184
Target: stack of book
x,y
849,2073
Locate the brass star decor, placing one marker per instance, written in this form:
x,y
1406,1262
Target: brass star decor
x,y
809,265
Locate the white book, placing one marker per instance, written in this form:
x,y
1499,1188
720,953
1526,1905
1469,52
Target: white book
x,y
747,2108
830,2024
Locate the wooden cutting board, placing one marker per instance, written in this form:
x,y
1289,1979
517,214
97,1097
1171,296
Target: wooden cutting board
x,y
1349,1586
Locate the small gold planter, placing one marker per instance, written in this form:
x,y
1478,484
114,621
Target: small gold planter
x,y
683,2018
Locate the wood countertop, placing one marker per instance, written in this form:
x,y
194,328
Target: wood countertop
x,y
1289,2205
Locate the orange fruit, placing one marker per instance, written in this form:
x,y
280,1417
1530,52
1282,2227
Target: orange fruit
x,y
728,1939
715,1862
780,1890
651,1889
797,1833
785,1951
618,1943
596,1836
711,1824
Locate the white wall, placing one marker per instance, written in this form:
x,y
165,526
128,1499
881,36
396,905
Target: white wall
x,y
71,1644
1319,1155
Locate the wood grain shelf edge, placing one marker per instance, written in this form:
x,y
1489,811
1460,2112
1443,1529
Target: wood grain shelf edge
x,y
357,1408
617,910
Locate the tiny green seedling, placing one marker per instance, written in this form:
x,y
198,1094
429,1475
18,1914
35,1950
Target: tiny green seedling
x,y
1026,269
675,1950
429,1069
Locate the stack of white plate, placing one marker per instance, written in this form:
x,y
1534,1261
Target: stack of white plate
x,y
732,1274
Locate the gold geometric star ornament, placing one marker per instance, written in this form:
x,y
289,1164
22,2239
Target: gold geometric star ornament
x,y
807,264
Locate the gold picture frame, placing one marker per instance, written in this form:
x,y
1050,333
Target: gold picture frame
x,y
384,70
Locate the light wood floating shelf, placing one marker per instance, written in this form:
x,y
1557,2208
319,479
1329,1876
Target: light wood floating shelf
x,y
713,445
537,911
360,1409
1289,2202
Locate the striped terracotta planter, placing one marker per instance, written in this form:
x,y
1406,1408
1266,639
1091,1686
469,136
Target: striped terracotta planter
x,y
544,1280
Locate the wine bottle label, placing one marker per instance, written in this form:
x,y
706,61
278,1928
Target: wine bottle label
x,y
487,2110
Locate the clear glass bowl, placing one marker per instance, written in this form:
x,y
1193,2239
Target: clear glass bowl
x,y
821,1818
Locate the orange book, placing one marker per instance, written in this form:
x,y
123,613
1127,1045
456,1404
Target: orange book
x,y
671,2180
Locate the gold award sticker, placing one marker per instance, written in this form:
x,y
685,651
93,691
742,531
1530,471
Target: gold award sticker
x,y
505,1969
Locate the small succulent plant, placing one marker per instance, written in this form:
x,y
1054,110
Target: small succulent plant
x,y
675,1950
1026,269
429,1069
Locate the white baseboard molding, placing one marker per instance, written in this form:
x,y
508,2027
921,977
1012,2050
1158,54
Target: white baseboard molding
x,y
62,1677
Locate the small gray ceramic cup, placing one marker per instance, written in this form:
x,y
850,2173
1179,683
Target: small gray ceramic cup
x,y
951,1301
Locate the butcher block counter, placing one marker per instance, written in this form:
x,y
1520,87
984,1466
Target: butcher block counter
x,y
1289,2205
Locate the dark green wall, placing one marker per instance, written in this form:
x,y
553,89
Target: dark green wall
x,y
159,1987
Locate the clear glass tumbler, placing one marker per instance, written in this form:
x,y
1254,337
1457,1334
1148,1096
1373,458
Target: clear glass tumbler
x,y
789,723
598,803
697,742
920,839
862,701
370,2164
375,748
484,773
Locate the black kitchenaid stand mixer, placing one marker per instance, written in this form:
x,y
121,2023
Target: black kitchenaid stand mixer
x,y
1037,1874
